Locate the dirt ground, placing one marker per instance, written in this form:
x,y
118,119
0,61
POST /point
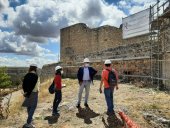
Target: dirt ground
x,y
132,100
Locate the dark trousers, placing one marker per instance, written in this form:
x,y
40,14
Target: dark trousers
x,y
57,100
30,111
31,104
109,99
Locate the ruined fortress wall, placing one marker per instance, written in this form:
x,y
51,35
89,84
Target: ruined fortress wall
x,y
48,72
130,67
137,39
80,40
165,35
108,37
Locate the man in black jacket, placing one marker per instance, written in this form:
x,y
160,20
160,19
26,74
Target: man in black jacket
x,y
85,77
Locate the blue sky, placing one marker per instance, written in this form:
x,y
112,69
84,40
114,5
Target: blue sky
x,y
112,1
30,29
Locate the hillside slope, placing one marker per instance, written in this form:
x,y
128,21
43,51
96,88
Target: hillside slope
x,y
135,102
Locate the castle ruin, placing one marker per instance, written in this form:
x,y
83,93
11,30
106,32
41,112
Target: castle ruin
x,y
141,58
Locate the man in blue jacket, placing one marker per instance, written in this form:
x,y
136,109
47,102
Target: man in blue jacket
x,y
85,77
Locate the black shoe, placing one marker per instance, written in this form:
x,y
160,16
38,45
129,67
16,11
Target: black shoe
x,y
78,105
86,105
110,113
55,114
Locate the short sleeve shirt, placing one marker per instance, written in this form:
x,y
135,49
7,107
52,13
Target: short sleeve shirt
x,y
105,75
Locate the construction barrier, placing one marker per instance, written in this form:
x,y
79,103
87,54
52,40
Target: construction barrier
x,y
127,120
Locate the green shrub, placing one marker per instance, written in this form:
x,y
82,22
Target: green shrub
x,y
4,78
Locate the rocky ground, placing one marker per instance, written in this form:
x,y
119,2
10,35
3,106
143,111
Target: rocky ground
x,y
147,107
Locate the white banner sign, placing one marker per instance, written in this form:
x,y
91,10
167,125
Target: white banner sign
x,y
136,24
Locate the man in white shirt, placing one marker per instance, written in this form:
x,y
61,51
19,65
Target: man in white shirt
x,y
85,77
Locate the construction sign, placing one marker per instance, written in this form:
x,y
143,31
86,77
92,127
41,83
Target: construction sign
x,y
136,24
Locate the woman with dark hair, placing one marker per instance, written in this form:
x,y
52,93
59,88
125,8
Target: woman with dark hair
x,y
30,87
58,93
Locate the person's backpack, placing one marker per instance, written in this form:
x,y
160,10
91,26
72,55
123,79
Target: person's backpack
x,y
112,78
51,89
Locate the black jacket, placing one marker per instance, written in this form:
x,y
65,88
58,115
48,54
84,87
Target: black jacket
x,y
80,73
29,82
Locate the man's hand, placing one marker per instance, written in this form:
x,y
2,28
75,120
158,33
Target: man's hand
x,y
117,87
100,90
25,94
80,83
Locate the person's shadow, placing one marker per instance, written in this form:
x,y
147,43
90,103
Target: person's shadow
x,y
112,122
86,114
52,119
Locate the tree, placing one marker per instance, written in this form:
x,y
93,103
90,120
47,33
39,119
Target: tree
x,y
4,78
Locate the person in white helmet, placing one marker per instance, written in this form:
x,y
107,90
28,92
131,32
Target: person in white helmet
x,y
58,92
85,77
30,87
109,78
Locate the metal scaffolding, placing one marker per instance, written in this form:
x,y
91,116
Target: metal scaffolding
x,y
159,22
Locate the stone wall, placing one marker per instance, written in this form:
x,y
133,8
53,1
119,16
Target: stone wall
x,y
80,40
134,68
137,39
165,38
130,56
98,44
141,49
48,72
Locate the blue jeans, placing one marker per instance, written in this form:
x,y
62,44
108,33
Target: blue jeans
x,y
109,99
57,100
30,111
31,105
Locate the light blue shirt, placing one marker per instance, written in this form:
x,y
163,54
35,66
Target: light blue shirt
x,y
86,74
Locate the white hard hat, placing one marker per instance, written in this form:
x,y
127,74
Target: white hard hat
x,y
57,68
33,65
107,62
86,60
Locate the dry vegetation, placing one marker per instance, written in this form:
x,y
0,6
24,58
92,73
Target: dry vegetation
x,y
132,100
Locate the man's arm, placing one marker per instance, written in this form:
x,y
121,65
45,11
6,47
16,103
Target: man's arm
x,y
94,71
78,76
101,84
117,78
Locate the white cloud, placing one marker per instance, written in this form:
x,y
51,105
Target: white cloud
x,y
9,11
125,4
40,61
140,5
144,1
45,18
19,62
17,44
39,20
3,4
136,9
92,12
113,16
